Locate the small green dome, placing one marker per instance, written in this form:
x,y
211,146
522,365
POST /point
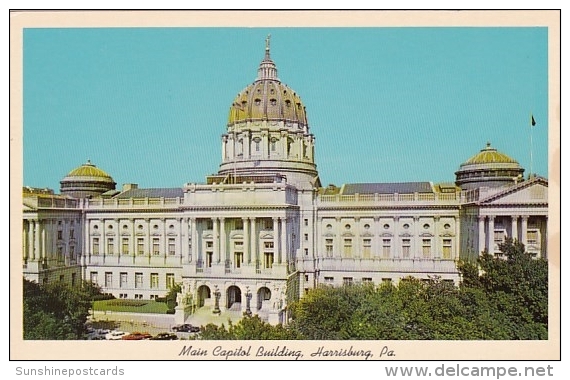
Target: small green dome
x,y
488,168
88,170
86,181
489,155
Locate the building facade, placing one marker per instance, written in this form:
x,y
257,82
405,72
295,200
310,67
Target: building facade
x,y
263,231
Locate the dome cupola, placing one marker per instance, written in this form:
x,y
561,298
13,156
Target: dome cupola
x,y
86,181
488,168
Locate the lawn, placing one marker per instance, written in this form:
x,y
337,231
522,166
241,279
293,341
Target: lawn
x,y
131,306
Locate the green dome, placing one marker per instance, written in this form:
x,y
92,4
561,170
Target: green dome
x,y
488,168
489,155
88,170
86,181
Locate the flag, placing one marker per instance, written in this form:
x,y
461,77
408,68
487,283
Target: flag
x,y
532,122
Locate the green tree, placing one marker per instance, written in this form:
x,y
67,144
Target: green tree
x,y
55,311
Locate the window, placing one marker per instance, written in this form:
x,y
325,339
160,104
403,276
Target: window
x,y
329,247
257,146
405,248
169,280
95,246
347,280
268,245
366,279
269,224
210,225
171,246
306,251
61,277
329,280
140,246
426,247
532,237
123,280
125,246
93,277
239,224
59,235
447,248
273,145
73,278
108,279
306,222
72,233
209,258
268,260
238,259
138,280
347,247
72,252
366,248
306,236
209,244
238,244
154,280
386,281
155,246
110,246
386,248
306,277
499,235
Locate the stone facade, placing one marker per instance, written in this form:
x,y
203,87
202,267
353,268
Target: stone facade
x,y
263,231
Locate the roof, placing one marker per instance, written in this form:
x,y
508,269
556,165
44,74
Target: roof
x,y
489,155
387,188
152,193
88,170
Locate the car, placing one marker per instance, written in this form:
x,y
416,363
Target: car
x,y
97,334
186,328
164,336
115,335
136,336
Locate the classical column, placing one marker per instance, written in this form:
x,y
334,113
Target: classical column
x,y
515,227
254,241
481,222
216,239
283,249
66,228
43,242
196,241
437,239
457,240
183,238
339,239
148,243
164,238
524,229
133,240
396,240
25,239
276,238
86,240
232,147
37,240
246,251
223,238
320,250
224,143
416,241
376,252
246,145
357,238
491,234
284,144
265,144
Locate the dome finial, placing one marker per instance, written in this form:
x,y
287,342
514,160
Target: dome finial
x,y
267,42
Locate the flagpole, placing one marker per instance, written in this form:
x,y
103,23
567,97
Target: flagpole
x,y
532,124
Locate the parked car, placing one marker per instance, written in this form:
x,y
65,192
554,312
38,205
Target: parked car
x,y
164,336
97,334
186,328
136,336
115,335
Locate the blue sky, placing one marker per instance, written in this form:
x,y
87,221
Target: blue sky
x,y
148,105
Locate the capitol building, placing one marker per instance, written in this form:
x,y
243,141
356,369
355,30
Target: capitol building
x,y
263,230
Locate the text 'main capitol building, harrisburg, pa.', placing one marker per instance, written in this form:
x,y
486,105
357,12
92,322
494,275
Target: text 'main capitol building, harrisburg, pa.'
x,y
263,230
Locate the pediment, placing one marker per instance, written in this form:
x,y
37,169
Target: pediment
x,y
534,193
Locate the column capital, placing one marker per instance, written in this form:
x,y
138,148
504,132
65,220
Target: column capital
x,y
481,218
